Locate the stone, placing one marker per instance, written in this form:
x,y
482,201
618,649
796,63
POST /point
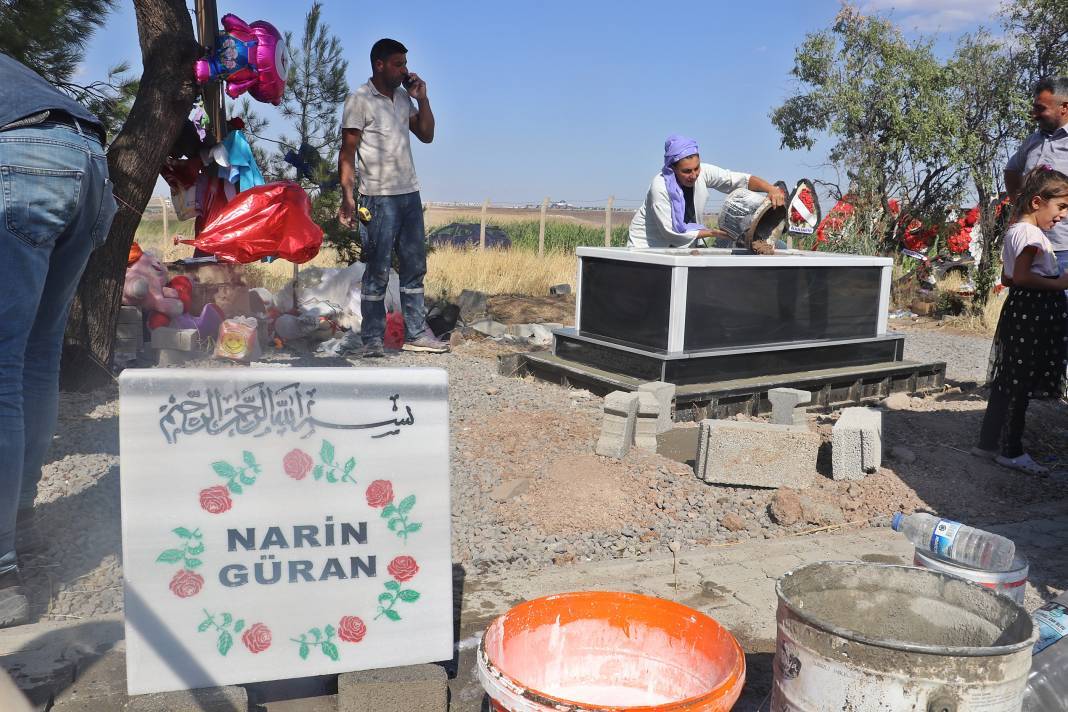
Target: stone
x,y
732,522
785,507
164,337
645,424
542,334
856,443
902,454
559,290
819,513
665,395
510,489
757,454
489,327
784,402
230,698
898,401
472,304
617,427
401,689
522,331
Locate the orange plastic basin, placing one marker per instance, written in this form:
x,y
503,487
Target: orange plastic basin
x,y
609,651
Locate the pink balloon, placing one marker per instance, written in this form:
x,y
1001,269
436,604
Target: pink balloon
x,y
248,57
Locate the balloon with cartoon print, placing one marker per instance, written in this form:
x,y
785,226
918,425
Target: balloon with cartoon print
x,y
248,57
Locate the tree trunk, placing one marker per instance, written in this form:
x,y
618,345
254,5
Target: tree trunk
x,y
165,96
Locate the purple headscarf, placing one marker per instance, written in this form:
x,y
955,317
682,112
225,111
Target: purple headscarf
x,y
675,149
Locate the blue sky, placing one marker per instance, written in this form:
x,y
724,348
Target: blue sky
x,y
573,100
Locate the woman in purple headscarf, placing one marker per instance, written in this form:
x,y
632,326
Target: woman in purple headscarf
x,y
676,199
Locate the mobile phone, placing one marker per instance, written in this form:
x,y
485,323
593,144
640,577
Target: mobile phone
x,y
407,81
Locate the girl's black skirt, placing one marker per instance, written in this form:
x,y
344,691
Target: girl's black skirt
x,y
1030,351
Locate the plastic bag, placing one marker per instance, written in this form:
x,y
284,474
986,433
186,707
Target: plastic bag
x,y
272,220
238,340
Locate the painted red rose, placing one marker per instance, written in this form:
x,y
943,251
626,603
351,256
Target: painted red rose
x,y
403,568
297,464
379,493
186,583
257,638
216,499
351,629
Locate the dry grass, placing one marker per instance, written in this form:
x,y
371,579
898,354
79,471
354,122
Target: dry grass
x,y
984,323
451,270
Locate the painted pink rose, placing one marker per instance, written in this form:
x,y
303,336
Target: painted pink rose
x,y
297,464
186,583
351,629
379,493
257,638
403,568
216,500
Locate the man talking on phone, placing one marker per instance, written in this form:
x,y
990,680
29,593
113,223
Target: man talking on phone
x,y
375,127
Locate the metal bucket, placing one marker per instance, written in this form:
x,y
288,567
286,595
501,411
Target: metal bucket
x,y
1011,583
870,637
748,216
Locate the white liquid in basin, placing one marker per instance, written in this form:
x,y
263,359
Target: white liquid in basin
x,y
607,694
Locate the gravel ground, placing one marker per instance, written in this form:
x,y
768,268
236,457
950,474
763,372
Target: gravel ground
x,y
534,438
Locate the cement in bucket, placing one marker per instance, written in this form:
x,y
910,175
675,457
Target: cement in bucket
x,y
747,216
1011,583
579,652
867,637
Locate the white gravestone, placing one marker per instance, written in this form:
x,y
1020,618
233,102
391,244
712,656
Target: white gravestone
x,y
281,523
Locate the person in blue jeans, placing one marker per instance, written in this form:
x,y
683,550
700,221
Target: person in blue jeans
x,y
376,126
56,206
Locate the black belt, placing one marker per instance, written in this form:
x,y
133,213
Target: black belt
x,y
93,129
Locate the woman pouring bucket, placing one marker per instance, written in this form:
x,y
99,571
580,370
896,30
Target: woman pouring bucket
x,y
677,196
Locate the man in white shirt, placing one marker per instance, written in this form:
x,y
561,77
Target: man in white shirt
x,y
1048,146
375,126
677,196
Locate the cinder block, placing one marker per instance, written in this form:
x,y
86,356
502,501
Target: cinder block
x,y
205,699
617,427
645,424
757,454
129,330
665,395
165,337
856,443
489,327
784,402
130,315
174,357
400,689
559,289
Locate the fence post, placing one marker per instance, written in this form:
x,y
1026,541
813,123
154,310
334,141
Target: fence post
x,y
608,221
541,228
166,230
482,228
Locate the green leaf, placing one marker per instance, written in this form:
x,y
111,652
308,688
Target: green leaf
x,y
413,527
392,614
316,632
326,452
303,651
330,476
195,550
171,556
250,460
406,504
226,642
389,510
224,469
329,631
392,585
350,465
197,534
317,472
385,597
191,563
183,532
227,619
234,487
204,626
245,479
409,596
239,624
394,523
330,650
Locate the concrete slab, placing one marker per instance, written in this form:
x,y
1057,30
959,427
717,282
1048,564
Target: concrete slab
x,y
757,454
400,689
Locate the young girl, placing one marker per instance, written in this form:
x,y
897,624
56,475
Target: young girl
x,y
1030,350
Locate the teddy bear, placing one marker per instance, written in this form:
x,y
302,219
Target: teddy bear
x,y
145,285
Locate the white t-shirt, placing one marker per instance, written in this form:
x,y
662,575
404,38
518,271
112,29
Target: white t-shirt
x,y
385,151
1021,235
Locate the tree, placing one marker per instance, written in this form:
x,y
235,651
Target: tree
x,y
164,96
49,37
1040,32
883,100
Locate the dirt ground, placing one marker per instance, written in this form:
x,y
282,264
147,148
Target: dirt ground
x,y
518,309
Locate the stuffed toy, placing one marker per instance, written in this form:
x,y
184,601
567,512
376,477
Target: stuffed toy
x,y
248,57
211,316
145,286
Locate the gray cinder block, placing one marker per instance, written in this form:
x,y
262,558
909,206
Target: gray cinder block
x,y
400,689
617,427
645,424
756,454
205,699
165,337
857,443
559,289
665,395
784,402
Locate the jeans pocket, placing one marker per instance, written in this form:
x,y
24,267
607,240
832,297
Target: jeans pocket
x,y
108,208
39,203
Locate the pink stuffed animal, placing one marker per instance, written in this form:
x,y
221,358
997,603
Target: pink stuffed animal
x,y
144,287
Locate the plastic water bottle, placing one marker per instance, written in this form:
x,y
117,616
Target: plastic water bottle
x,y
953,540
1047,685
